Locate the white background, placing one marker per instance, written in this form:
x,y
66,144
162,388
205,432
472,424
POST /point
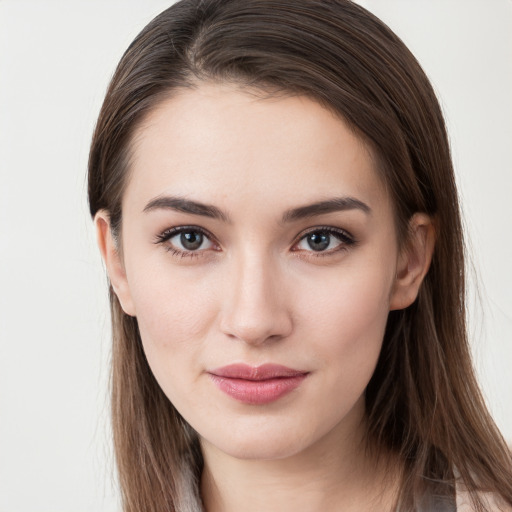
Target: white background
x,y
56,58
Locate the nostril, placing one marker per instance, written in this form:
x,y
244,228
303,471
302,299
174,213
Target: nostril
x,y
257,328
253,302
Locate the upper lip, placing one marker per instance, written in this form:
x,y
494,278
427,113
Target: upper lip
x,y
262,372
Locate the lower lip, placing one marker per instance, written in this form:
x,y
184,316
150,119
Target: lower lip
x,y
258,392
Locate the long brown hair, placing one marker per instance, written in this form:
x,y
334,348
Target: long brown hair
x,y
423,401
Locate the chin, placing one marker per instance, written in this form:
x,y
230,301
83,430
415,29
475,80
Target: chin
x,y
261,450
260,444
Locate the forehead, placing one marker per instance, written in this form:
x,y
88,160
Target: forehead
x,y
221,143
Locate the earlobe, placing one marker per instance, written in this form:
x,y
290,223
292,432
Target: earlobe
x,y
113,261
413,262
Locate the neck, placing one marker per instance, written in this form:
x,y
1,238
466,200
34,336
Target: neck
x,y
337,473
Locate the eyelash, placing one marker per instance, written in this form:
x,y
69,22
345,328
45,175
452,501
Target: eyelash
x,y
345,238
166,235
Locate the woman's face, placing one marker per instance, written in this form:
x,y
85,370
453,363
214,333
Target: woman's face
x,y
257,232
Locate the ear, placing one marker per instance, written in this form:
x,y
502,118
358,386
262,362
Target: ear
x,y
113,261
413,261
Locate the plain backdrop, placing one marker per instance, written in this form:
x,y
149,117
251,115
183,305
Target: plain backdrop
x,y
56,58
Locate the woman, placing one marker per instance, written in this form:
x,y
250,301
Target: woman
x,y
274,200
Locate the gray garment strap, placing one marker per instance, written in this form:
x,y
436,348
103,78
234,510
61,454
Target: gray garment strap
x,y
438,497
438,504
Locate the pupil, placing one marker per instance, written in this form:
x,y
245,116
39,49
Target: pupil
x,y
191,240
318,241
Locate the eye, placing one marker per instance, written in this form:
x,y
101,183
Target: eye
x,y
185,240
189,240
324,240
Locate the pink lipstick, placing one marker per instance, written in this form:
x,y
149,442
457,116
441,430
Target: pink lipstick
x,y
257,385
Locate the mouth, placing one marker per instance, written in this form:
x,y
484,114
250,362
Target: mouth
x,y
257,385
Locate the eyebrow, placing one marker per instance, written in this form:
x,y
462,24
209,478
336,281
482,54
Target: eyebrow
x,y
181,204
336,204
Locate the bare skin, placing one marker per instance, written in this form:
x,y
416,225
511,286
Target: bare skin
x,y
307,482
270,277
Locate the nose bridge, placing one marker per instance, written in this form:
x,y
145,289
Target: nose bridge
x,y
255,308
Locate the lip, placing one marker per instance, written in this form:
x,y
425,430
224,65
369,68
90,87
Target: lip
x,y
257,385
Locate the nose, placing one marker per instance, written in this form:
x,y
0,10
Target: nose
x,y
255,309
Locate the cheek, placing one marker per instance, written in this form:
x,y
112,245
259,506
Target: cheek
x,y
349,316
347,324
355,300
175,311
175,314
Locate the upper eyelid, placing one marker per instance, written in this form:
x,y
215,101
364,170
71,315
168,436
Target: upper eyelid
x,y
327,229
168,233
